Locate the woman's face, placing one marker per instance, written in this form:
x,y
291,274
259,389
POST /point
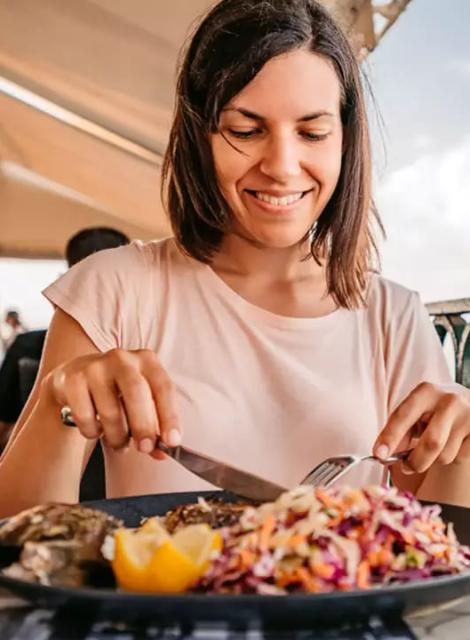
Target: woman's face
x,y
286,127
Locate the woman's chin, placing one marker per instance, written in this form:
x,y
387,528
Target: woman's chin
x,y
279,241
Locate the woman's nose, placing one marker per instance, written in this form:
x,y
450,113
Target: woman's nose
x,y
281,159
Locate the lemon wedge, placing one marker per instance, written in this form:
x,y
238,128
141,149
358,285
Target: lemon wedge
x,y
151,560
132,553
155,526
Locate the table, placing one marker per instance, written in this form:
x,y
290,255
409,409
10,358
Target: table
x,y
18,621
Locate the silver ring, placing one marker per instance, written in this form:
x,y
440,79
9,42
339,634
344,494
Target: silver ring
x,y
67,417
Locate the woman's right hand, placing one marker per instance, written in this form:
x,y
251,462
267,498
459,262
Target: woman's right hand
x,y
131,393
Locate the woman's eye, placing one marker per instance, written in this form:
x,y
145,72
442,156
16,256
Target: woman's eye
x,y
243,134
315,137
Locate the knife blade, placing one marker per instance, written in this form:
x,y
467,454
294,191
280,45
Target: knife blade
x,y
241,483
224,476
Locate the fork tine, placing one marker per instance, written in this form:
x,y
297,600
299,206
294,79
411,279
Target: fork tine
x,y
334,475
316,473
328,472
322,471
328,477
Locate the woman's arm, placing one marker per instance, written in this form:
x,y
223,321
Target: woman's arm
x,y
44,460
129,390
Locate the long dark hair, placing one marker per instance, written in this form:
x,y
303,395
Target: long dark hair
x,y
230,46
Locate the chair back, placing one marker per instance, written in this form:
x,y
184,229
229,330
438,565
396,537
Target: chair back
x,y
28,370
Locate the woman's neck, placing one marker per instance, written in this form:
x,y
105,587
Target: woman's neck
x,y
239,256
279,280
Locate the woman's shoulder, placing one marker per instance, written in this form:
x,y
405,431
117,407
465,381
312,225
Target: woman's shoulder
x,y
113,295
126,273
389,299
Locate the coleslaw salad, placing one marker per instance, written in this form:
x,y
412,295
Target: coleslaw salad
x,y
338,538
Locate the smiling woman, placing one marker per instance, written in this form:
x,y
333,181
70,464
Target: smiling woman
x,y
278,162
261,333
273,125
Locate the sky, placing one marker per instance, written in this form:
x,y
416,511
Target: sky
x,y
420,75
421,78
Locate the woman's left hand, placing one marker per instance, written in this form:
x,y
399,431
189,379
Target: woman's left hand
x,y
435,421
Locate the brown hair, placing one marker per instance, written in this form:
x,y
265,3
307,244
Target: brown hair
x,y
228,49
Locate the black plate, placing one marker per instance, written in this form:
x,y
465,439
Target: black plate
x,y
292,610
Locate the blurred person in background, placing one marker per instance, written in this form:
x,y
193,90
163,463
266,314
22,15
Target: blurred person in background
x,y
20,365
10,328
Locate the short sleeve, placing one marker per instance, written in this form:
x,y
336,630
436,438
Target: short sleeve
x,y
102,294
413,352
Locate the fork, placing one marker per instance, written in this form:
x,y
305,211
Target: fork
x,y
332,469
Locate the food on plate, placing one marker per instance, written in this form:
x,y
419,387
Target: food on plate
x,y
335,539
212,511
58,522
308,540
150,559
61,543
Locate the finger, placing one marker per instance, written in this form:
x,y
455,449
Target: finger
x,y
419,426
158,454
433,441
463,455
164,395
139,406
77,396
111,414
411,411
450,452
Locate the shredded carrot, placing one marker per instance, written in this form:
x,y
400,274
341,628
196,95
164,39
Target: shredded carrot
x,y
389,541
385,557
363,574
379,558
266,531
408,538
373,558
323,570
308,581
295,540
247,558
286,578
333,522
328,500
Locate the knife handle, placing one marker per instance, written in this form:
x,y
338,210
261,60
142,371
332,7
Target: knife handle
x,y
67,419
170,451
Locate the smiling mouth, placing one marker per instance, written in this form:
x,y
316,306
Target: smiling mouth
x,y
278,201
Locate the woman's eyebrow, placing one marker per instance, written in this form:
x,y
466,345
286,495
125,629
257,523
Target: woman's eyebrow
x,y
256,116
315,115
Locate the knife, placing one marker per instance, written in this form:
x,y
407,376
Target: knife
x,y
241,483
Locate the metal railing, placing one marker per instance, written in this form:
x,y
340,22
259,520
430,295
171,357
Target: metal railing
x,y
449,320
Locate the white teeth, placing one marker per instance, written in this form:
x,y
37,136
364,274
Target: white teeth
x,y
278,202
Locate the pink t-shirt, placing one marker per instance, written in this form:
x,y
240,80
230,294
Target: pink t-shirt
x,y
271,394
